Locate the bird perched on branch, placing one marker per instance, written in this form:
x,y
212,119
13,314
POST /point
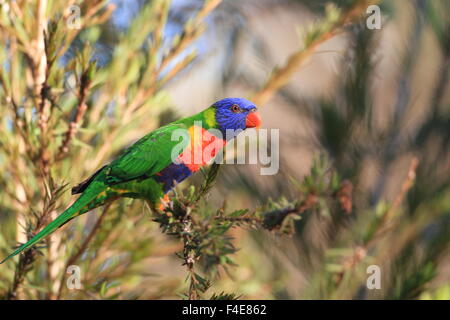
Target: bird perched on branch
x,y
152,166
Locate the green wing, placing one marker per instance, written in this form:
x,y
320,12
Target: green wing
x,y
149,155
146,157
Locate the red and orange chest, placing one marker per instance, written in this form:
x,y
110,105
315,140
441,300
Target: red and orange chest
x,y
202,148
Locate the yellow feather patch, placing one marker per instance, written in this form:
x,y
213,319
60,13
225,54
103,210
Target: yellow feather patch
x,y
210,117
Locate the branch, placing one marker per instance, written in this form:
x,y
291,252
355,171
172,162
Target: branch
x,y
85,82
361,251
82,249
283,74
27,259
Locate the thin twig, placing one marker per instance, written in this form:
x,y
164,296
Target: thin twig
x,y
28,257
361,251
283,74
82,248
80,111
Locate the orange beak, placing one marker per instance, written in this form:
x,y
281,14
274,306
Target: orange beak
x,y
253,120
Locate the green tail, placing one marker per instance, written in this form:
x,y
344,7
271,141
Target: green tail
x,y
80,206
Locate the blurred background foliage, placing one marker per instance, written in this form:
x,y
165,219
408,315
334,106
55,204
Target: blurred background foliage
x,y
364,124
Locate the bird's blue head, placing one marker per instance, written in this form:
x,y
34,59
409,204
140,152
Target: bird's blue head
x,y
236,114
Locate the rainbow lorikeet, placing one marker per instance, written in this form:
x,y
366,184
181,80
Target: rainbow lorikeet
x,y
152,166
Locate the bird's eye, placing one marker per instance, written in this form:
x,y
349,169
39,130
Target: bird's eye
x,y
235,108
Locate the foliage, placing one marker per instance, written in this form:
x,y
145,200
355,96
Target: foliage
x,y
71,99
